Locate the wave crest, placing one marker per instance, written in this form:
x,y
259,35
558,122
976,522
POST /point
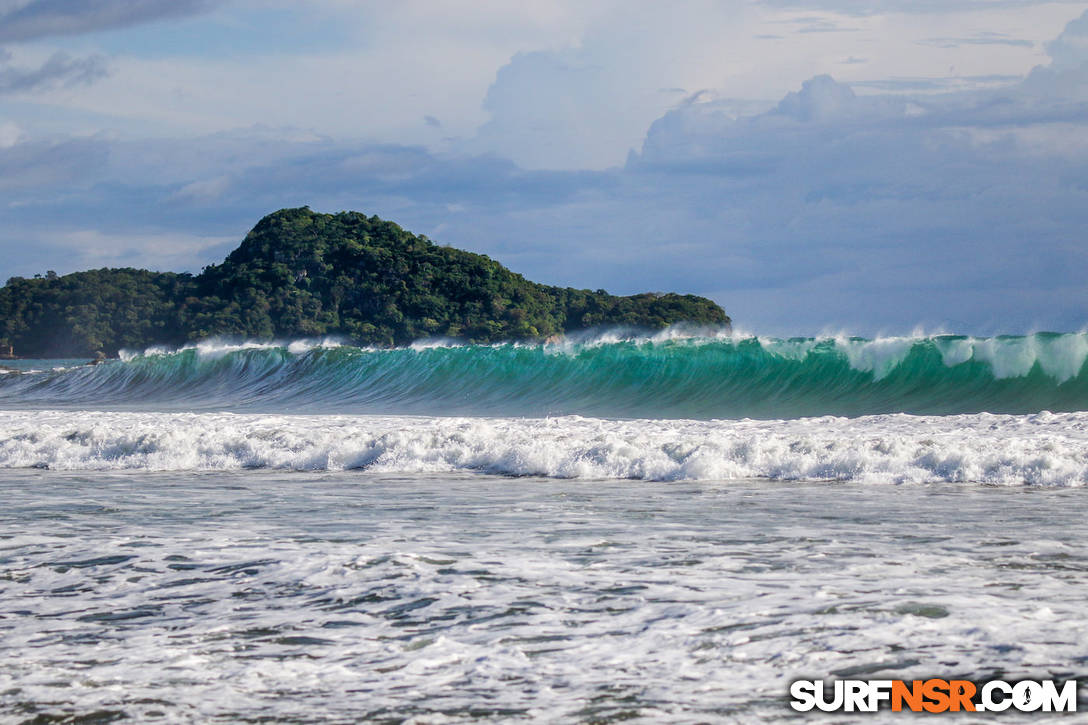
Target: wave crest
x,y
670,375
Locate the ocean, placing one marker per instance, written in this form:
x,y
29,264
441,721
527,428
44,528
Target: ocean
x,y
655,529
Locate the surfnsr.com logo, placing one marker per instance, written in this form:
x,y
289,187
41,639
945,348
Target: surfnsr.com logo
x,y
934,695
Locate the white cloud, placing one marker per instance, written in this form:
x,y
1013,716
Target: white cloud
x,y
585,105
960,209
579,84
390,66
831,204
10,134
156,250
1069,50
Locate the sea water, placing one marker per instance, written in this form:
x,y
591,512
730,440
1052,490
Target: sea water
x,y
313,533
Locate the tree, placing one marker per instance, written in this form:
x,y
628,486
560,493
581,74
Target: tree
x,y
302,274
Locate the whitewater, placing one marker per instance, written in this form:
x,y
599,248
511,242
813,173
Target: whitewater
x,y
664,528
1042,449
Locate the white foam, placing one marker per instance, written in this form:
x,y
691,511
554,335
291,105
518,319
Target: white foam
x,y
1008,358
1063,357
879,356
681,332
1060,357
432,343
214,348
185,598
796,350
955,351
1044,449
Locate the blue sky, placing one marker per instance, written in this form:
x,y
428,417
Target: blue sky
x,y
834,165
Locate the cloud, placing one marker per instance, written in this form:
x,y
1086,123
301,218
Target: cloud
x,y
820,98
985,38
578,86
157,250
1070,49
535,102
819,25
880,7
216,187
50,168
833,207
961,209
60,69
586,103
29,20
10,134
935,85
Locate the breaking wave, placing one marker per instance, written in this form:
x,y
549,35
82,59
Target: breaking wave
x,y
666,376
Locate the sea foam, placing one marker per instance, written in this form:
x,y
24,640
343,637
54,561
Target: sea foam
x,y
1041,449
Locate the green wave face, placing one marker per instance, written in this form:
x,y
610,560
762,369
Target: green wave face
x,y
723,377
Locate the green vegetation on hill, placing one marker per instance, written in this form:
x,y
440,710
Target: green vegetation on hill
x,y
303,274
103,309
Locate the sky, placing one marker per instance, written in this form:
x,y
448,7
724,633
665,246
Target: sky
x,y
827,166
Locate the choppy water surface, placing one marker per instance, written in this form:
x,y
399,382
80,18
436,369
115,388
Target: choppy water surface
x,y
594,530
350,596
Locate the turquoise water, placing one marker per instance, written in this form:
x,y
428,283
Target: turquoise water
x,y
42,365
726,377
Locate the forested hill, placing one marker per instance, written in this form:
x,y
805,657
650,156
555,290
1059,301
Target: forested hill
x,y
303,274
